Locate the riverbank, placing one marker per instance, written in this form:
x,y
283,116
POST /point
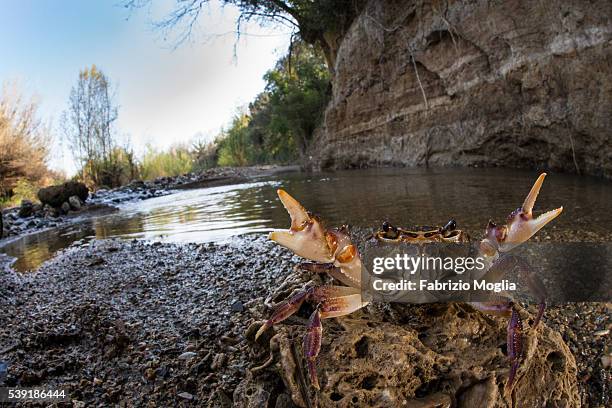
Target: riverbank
x,y
104,201
137,323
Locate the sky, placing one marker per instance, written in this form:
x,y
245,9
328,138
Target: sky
x,y
167,92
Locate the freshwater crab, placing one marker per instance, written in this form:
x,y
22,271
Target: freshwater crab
x,y
333,253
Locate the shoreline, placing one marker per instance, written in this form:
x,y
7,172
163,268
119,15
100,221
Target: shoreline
x,y
105,201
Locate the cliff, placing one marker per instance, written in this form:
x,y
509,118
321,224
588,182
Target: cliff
x,y
512,83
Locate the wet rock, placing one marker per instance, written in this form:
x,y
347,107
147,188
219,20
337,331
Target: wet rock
x,y
237,306
3,371
436,360
26,209
65,207
56,196
185,395
75,202
218,361
187,355
50,211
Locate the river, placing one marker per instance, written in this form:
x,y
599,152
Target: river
x,y
363,198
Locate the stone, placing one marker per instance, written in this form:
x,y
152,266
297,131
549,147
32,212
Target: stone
x,y
75,202
55,196
435,362
26,209
65,207
237,306
185,395
421,84
187,355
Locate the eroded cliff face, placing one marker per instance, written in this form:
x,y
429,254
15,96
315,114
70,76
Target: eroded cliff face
x,y
512,83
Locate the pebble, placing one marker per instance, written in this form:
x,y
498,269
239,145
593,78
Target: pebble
x,y
238,307
187,355
185,395
602,332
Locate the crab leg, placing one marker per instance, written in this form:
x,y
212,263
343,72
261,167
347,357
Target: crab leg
x,y
507,263
514,333
515,345
312,345
284,310
331,301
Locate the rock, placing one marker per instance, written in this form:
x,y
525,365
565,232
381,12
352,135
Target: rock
x,y
435,362
218,361
1,225
237,306
65,208
187,355
424,84
75,202
150,374
55,196
185,395
26,209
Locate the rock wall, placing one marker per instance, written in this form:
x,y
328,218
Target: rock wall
x,y
508,83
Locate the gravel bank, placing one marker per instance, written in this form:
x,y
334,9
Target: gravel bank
x,y
149,324
136,322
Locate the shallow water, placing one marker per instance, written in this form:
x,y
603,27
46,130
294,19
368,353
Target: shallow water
x,y
357,197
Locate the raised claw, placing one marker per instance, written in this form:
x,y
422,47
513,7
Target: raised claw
x,y
520,224
306,237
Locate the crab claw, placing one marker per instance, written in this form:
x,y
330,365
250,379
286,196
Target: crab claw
x,y
306,237
521,225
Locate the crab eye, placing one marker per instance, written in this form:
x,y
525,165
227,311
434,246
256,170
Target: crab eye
x,y
450,226
389,230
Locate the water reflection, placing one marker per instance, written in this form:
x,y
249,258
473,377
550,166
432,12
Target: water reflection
x,y
359,197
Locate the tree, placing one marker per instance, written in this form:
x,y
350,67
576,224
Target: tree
x,y
234,145
24,142
299,89
318,22
88,126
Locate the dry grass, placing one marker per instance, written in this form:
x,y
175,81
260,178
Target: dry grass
x,y
24,142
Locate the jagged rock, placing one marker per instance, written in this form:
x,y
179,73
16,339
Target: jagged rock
x,y
55,196
505,83
448,353
26,209
75,202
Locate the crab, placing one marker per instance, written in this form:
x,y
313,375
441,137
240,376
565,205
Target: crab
x,y
331,251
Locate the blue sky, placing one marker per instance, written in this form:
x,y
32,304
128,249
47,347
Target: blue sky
x,y
166,94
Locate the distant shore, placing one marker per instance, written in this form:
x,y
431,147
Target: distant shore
x,y
105,201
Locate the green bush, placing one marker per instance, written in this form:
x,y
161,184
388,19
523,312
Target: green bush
x,y
279,125
172,162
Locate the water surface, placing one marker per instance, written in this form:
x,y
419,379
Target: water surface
x,y
356,197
